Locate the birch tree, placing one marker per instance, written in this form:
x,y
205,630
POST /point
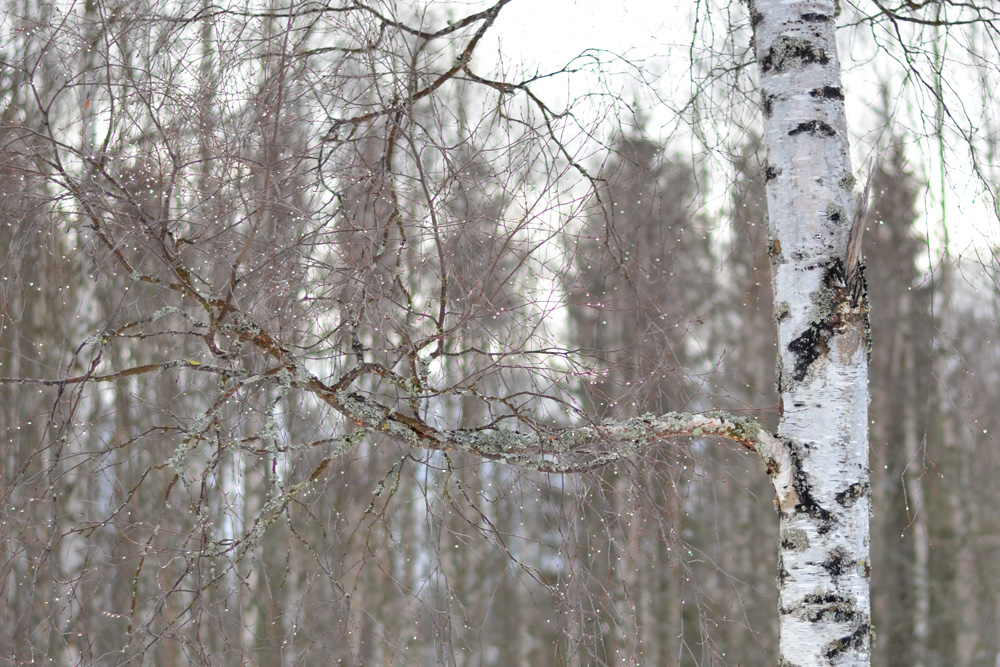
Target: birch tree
x,y
820,308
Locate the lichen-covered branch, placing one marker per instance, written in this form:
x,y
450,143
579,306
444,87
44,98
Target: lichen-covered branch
x,y
557,450
569,449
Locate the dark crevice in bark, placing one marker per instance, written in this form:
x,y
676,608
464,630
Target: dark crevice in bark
x,y
782,572
812,343
831,92
767,105
836,277
814,127
855,640
803,487
837,562
808,347
851,494
814,17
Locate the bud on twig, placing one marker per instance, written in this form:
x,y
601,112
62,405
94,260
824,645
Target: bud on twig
x,y
852,260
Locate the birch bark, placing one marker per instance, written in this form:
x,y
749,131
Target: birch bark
x,y
824,597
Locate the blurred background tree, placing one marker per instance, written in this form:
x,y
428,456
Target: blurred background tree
x,y
207,205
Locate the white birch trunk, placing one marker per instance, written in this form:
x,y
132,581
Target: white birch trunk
x,y
824,597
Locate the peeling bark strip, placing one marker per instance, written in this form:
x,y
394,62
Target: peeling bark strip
x,y
825,603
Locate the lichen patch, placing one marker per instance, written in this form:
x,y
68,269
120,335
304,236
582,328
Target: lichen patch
x,y
787,52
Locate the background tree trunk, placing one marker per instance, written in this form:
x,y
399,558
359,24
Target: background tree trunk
x,y
267,263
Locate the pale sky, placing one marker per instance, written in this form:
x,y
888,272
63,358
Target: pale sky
x,y
551,32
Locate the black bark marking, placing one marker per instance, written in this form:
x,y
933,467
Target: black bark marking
x,y
755,19
854,640
788,52
812,343
836,277
770,173
814,17
818,606
837,562
867,323
782,572
851,494
831,92
807,348
814,127
803,487
767,105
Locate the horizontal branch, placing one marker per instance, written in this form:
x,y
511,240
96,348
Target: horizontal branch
x,y
128,372
571,449
565,450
